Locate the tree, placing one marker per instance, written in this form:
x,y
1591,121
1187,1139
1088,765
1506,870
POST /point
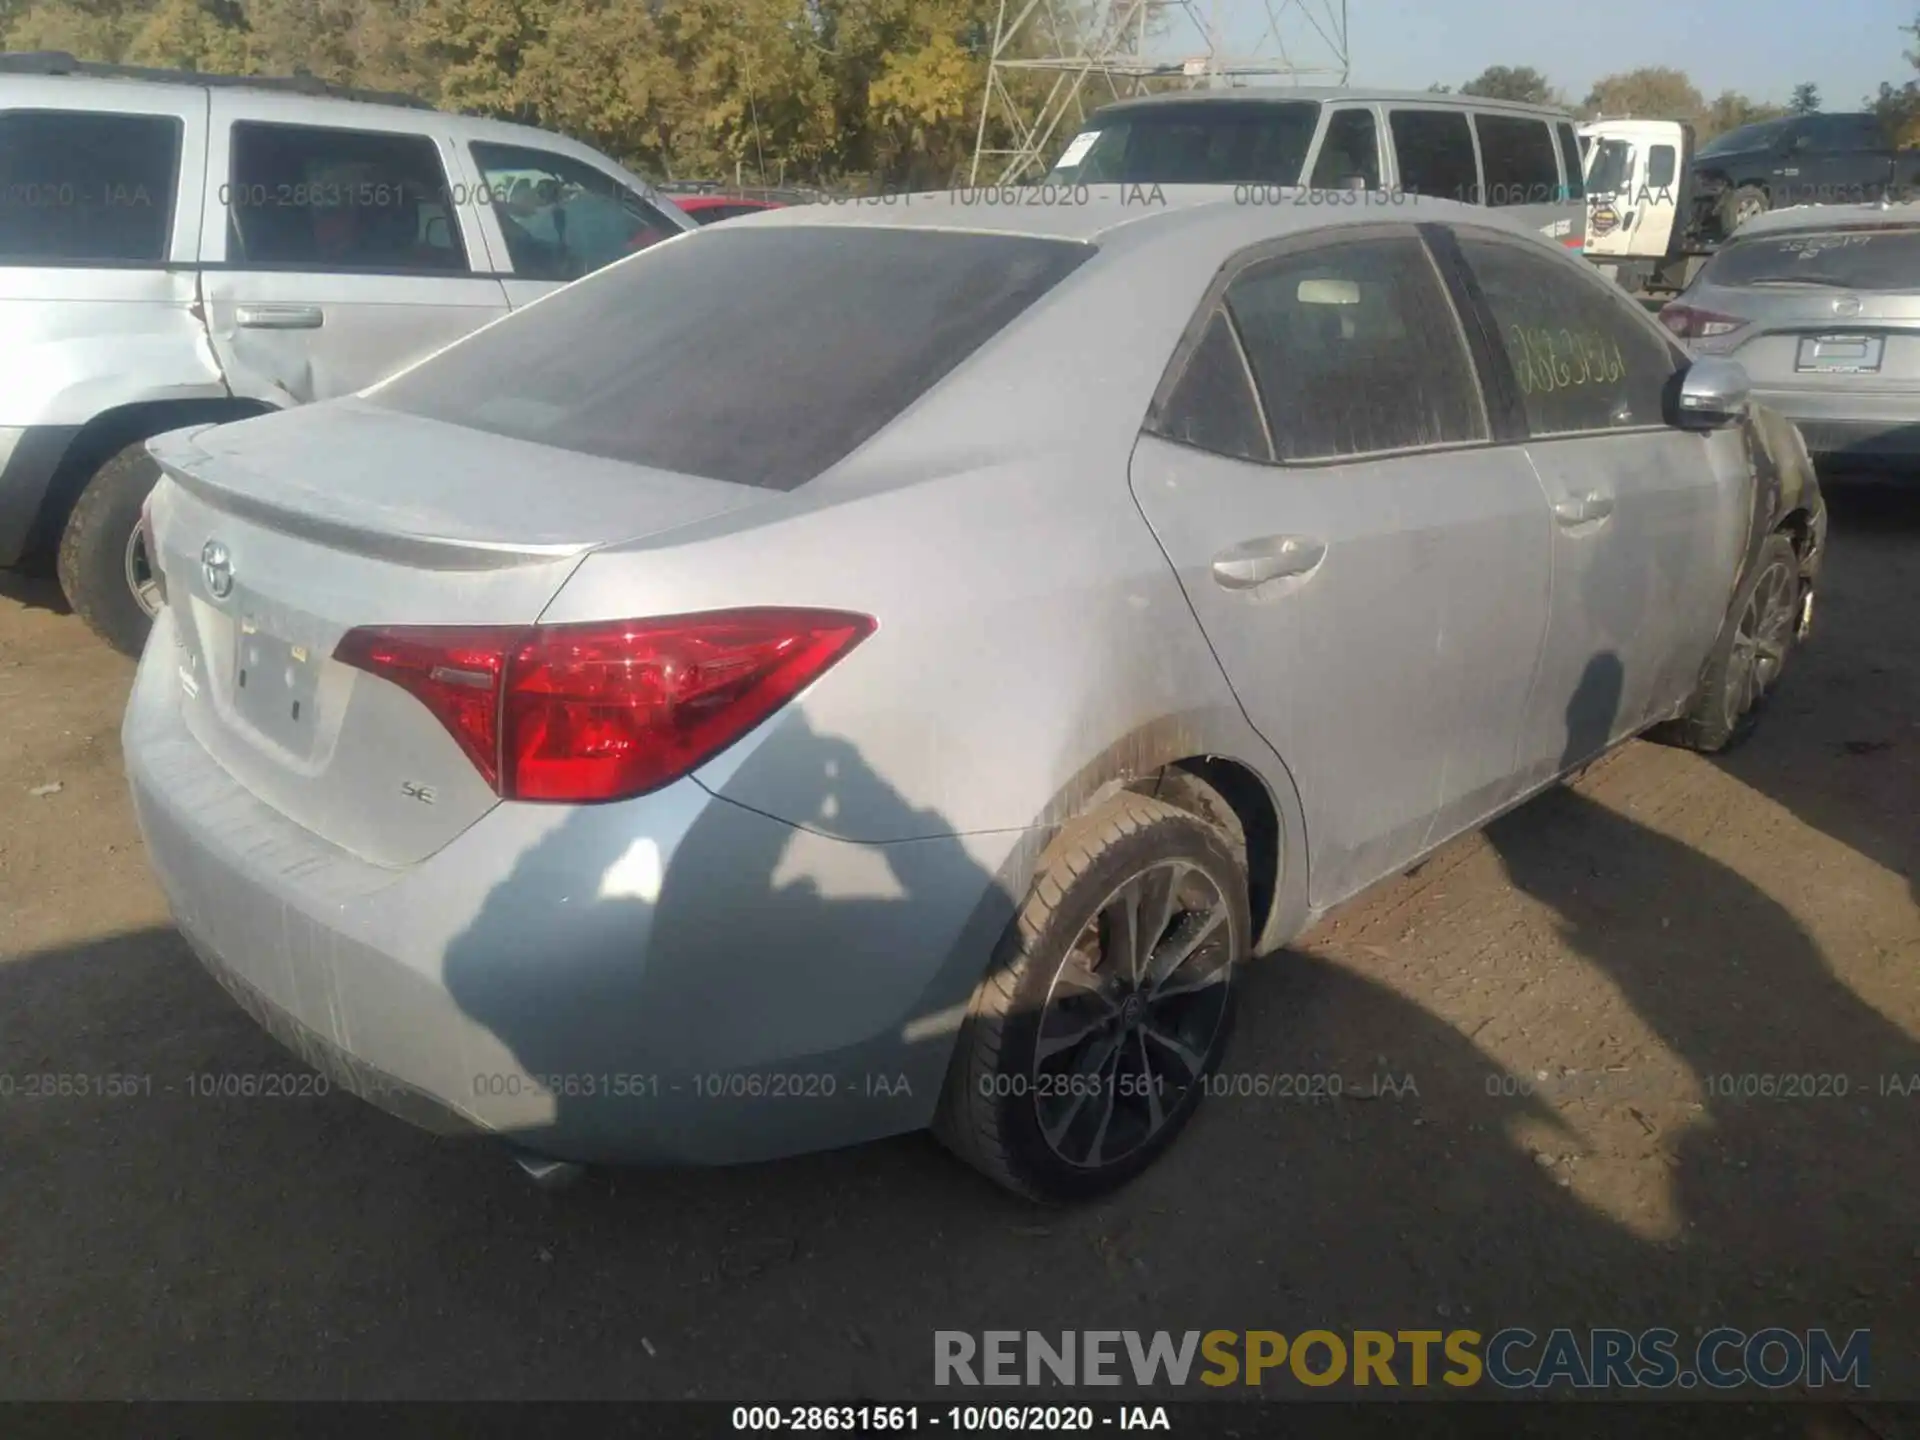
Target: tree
x,y
1506,82
1652,93
1439,89
1729,110
1898,106
1806,99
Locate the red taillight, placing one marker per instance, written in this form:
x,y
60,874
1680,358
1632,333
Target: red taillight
x,y
606,711
453,670
1691,323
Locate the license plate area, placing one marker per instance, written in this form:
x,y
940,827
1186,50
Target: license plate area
x,y
1841,354
275,683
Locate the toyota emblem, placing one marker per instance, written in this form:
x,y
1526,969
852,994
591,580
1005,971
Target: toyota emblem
x,y
217,566
1847,305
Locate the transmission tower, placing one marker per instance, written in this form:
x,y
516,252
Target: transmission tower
x,y
1054,60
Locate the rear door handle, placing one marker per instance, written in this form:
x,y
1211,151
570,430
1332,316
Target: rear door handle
x,y
1273,557
280,317
1583,509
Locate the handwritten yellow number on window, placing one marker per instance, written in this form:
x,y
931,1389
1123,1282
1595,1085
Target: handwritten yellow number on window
x,y
1522,358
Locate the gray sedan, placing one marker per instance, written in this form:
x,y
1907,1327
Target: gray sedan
x,y
866,668
1821,305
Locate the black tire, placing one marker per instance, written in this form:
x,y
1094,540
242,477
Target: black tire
x,y
1742,676
94,556
1000,1084
1742,204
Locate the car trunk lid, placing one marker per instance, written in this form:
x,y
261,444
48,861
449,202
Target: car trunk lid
x,y
278,536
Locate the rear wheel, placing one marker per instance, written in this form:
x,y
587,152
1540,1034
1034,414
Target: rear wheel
x,y
105,571
1108,1005
1750,657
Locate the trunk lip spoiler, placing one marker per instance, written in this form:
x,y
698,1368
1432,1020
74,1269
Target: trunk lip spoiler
x,y
428,552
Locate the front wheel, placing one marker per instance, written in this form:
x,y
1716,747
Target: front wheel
x,y
1750,657
1743,205
105,571
1108,1005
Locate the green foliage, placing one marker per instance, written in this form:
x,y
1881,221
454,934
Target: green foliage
x,y
1806,99
1506,82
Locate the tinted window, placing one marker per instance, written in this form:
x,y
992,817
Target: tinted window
x,y
339,200
1573,151
1355,349
1351,147
1763,136
1213,405
1583,359
753,354
1436,154
1858,260
1201,143
1840,132
86,187
563,218
1663,165
1521,165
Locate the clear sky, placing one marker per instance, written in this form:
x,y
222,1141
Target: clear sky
x,y
1761,47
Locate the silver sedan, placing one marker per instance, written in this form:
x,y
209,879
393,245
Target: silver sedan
x,y
1821,306
866,668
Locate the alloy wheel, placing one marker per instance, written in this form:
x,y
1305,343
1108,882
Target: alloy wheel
x,y
1760,641
1132,1014
140,577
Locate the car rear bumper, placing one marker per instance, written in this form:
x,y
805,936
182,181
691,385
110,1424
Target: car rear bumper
x,y
675,979
1850,425
29,457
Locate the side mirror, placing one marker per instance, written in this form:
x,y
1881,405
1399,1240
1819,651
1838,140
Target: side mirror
x,y
1714,393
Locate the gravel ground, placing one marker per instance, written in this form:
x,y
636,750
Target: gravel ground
x,y
1620,945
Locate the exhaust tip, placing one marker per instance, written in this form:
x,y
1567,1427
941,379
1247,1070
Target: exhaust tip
x,y
548,1174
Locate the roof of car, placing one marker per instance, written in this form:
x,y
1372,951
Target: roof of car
x,y
1091,213
59,63
1269,94
1829,217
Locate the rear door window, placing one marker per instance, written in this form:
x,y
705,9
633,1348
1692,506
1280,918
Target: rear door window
x,y
312,198
1350,150
1214,406
761,355
80,187
1584,360
1519,159
1355,350
1850,260
562,218
1435,150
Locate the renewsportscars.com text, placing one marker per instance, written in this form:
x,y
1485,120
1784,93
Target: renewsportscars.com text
x,y
1510,1359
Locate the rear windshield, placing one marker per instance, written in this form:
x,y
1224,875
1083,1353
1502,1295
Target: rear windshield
x,y
1851,260
759,356
1747,137
1223,143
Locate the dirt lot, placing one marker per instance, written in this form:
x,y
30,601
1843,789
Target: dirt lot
x,y
1666,922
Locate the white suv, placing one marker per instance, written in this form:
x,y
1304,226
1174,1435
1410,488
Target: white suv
x,y
179,248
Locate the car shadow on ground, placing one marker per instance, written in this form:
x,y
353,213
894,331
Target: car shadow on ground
x,y
162,1240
